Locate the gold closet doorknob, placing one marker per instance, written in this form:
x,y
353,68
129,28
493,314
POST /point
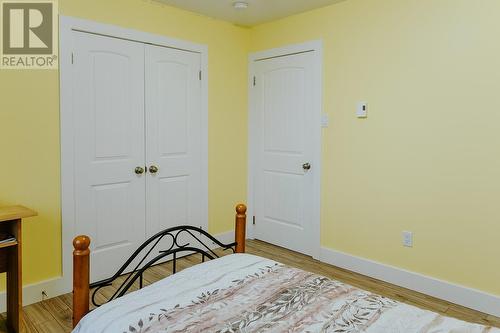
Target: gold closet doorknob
x,y
139,170
153,169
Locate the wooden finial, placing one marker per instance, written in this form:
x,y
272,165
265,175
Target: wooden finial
x,y
241,209
81,244
240,228
81,278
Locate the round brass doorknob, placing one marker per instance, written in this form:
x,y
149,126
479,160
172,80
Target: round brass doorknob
x,y
306,166
153,169
139,170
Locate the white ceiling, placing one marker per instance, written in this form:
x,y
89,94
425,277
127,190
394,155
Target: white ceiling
x,y
258,11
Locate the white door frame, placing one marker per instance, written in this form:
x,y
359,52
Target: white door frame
x,y
66,26
316,47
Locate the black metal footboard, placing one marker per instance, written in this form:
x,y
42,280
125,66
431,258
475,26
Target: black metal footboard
x,y
177,241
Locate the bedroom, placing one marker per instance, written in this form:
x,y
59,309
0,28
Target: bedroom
x,y
421,164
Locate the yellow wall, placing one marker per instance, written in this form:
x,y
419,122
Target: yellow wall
x,y
427,158
29,124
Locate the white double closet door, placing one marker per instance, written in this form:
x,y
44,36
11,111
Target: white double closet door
x,y
137,107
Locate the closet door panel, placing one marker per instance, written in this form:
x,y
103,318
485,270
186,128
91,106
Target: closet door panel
x,y
108,103
173,140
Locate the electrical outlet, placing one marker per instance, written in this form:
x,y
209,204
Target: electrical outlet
x,y
408,238
362,110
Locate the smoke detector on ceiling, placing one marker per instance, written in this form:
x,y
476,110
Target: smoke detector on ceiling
x,y
240,5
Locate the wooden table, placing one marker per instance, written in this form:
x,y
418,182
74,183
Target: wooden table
x,y
10,261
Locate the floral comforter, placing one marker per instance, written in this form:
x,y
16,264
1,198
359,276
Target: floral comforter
x,y
245,293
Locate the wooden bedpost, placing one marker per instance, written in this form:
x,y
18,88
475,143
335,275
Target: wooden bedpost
x,y
81,277
240,228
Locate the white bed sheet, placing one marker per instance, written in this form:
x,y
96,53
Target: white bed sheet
x,y
174,304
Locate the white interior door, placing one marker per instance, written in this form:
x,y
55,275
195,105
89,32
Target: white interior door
x,y
285,134
173,139
108,104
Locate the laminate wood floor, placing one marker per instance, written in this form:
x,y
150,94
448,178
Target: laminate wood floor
x,y
54,315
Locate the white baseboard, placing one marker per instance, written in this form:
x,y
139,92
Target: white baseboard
x,y
226,237
32,293
471,298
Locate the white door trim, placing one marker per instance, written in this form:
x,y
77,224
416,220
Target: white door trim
x,y
316,47
66,26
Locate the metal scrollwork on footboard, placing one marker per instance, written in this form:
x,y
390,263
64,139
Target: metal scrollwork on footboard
x,y
179,240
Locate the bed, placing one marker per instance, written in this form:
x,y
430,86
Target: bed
x,y
246,293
